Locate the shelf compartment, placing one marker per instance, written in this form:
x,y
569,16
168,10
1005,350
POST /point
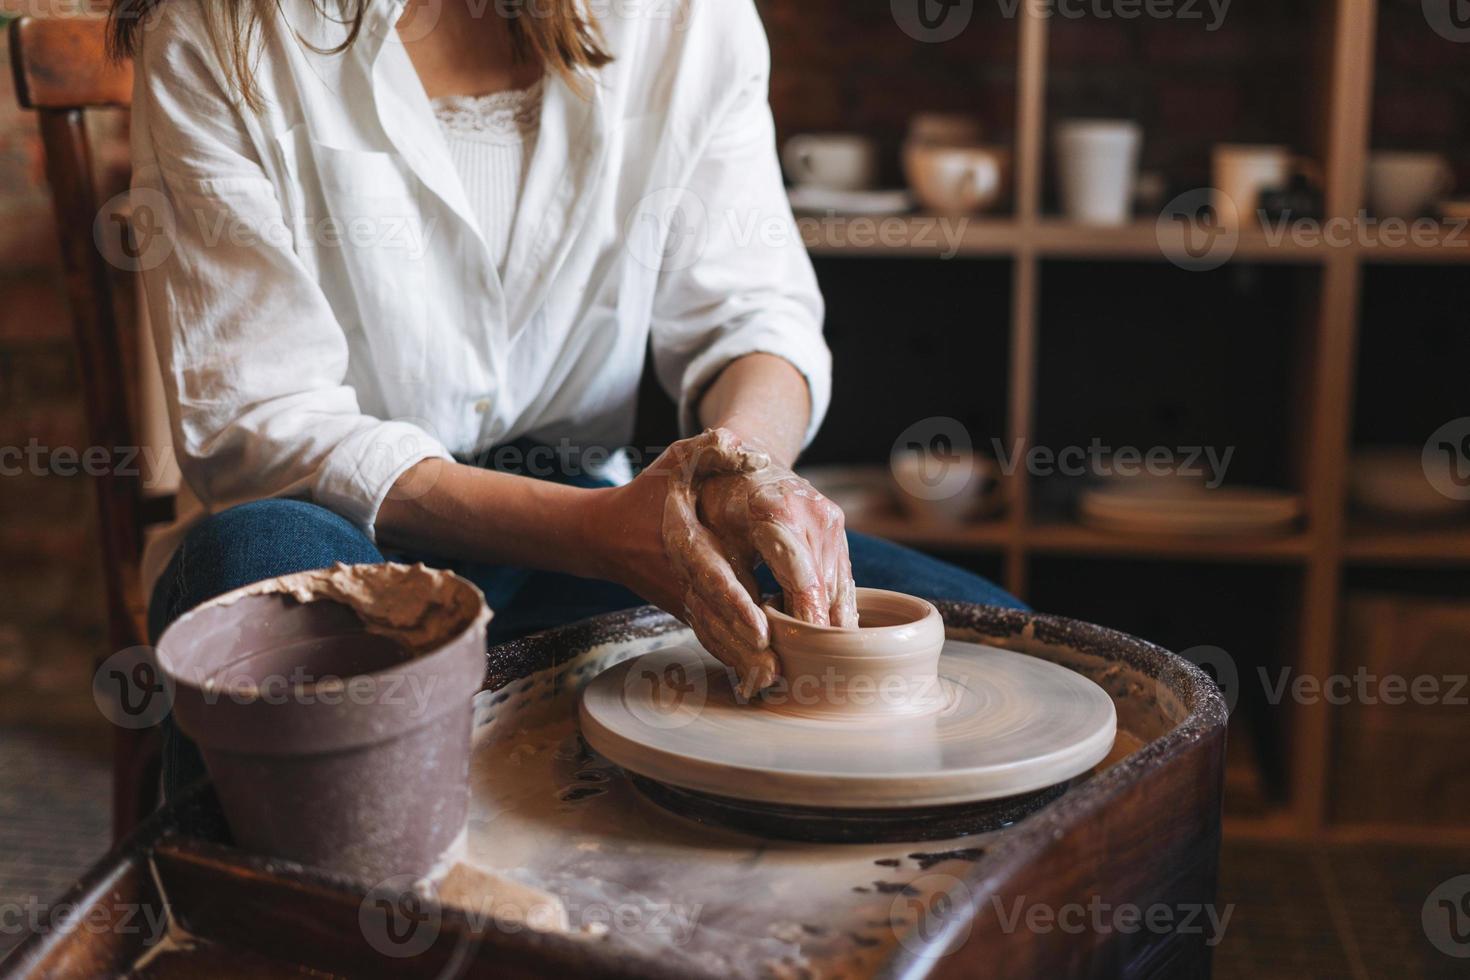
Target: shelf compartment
x,y
1378,544
1061,538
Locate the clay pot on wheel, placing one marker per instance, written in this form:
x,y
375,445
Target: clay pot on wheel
x,y
887,668
333,709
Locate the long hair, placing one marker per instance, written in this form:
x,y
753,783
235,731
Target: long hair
x,y
555,34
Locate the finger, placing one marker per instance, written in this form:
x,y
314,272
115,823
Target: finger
x,y
757,669
696,557
791,561
841,586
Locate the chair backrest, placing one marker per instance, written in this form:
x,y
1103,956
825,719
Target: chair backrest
x,y
61,71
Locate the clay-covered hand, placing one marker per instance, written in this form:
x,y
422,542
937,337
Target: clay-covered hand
x,y
770,514
656,545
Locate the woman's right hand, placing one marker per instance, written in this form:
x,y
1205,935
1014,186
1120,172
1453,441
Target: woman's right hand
x,y
647,535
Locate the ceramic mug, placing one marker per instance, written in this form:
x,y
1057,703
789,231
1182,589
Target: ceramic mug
x,y
833,161
886,668
1241,171
1402,185
956,179
1097,163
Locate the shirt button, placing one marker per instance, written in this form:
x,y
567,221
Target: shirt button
x,y
482,406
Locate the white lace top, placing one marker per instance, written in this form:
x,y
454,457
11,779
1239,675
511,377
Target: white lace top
x,y
490,141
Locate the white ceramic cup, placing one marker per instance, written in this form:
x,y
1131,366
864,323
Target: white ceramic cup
x,y
1097,165
833,161
956,179
1402,185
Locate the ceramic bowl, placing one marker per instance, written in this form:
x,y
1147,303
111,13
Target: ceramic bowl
x,y
888,667
943,490
957,179
1390,482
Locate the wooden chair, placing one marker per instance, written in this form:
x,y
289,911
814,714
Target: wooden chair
x,y
62,71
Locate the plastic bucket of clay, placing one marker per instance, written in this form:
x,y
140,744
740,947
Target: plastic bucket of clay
x,y
333,710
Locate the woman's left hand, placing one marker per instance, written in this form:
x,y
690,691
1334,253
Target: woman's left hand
x,y
772,515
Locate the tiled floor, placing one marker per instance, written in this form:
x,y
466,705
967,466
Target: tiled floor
x,y
1297,912
1305,911
55,791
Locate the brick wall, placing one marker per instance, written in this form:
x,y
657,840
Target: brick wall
x,y
51,619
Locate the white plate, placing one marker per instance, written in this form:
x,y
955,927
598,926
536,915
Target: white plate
x,y
820,200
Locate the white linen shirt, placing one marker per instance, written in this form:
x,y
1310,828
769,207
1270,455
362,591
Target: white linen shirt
x,y
321,298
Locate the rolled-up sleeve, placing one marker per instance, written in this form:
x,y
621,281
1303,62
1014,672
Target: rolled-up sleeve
x,y
253,358
735,277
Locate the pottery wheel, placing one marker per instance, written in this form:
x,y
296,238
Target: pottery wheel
x,y
1009,725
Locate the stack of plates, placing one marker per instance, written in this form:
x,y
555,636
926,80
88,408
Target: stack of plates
x,y
1177,507
821,200
1390,483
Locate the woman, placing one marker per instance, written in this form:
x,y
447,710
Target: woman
x,y
413,240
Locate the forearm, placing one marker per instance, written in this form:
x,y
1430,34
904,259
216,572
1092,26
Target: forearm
x,y
764,401
460,511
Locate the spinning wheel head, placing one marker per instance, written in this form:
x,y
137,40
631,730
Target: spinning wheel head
x,y
980,725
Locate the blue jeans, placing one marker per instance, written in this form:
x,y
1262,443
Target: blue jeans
x,y
266,538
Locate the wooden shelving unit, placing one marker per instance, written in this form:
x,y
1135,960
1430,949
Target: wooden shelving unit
x,y
1319,554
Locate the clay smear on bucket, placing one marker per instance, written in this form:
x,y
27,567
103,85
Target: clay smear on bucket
x,y
418,607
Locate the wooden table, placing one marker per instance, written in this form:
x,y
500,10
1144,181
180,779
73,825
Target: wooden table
x,y
1114,878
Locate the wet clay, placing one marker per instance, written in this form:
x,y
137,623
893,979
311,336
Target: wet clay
x,y
728,508
417,607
